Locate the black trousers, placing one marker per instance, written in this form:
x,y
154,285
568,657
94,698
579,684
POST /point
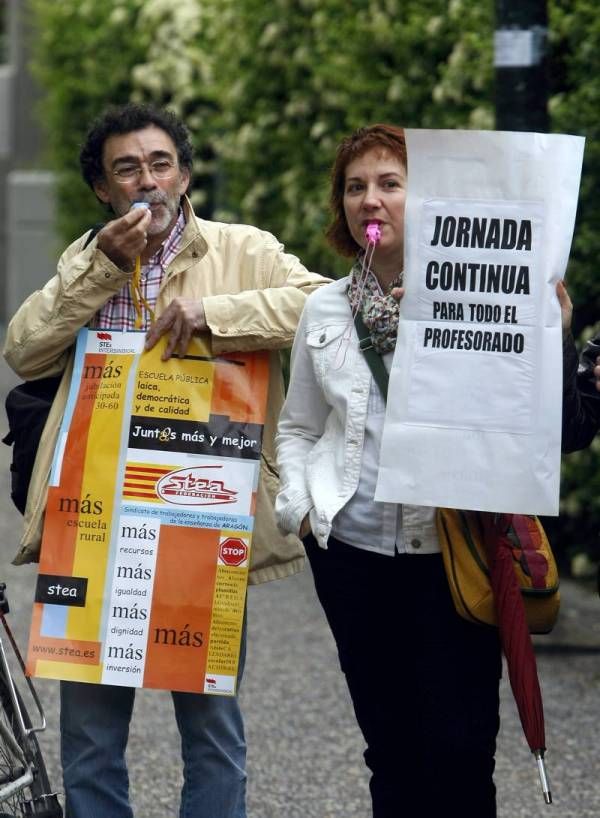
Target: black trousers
x,y
424,682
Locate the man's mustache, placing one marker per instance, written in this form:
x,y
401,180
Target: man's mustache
x,y
153,197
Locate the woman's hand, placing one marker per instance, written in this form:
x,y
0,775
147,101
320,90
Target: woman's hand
x,y
305,528
597,373
566,307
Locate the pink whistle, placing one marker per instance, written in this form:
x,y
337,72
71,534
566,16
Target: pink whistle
x,y
373,232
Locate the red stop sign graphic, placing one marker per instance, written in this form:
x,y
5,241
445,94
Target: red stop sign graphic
x,y
233,551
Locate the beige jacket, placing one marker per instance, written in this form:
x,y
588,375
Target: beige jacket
x,y
253,293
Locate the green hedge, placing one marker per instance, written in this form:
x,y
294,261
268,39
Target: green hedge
x,y
307,72
89,54
267,88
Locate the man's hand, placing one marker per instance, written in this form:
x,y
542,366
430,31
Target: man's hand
x,y
566,307
182,319
125,238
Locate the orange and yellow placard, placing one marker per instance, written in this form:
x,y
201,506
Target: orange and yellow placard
x,y
148,528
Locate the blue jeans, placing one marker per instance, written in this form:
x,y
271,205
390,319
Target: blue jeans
x,y
94,725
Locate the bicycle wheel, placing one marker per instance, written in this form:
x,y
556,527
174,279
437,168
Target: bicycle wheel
x,y
35,798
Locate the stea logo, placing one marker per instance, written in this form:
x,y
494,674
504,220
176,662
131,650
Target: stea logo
x,y
192,487
52,589
104,340
219,684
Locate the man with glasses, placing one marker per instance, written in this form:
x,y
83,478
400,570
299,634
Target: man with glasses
x,y
234,282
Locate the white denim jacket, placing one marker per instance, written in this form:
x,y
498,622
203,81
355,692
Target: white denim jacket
x,y
321,427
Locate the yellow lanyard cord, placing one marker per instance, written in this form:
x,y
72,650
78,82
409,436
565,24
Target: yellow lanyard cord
x,y
137,296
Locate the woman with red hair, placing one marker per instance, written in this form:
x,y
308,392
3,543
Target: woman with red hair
x,y
423,681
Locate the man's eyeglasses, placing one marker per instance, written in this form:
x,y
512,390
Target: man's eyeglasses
x,y
160,169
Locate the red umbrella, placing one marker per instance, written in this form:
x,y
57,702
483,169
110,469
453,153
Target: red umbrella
x,y
515,637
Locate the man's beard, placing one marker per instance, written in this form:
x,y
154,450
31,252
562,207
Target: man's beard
x,y
160,221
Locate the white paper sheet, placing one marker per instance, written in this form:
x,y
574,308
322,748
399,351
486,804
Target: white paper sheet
x,y
474,405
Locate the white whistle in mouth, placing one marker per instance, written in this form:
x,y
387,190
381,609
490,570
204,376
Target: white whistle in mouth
x,y
140,204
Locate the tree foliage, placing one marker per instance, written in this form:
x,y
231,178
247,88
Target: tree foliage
x,y
267,88
323,69
88,55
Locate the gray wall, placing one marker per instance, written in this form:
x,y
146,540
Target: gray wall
x,y
32,246
28,246
7,75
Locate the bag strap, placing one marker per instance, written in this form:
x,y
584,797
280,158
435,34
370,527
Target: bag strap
x,y
373,358
94,230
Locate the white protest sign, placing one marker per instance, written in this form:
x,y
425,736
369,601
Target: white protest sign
x,y
474,405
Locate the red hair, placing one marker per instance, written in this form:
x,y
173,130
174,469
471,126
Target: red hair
x,y
389,139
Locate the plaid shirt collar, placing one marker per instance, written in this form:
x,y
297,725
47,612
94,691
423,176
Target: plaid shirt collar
x,y
169,248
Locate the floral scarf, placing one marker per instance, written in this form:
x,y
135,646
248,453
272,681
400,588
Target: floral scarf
x,y
379,311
